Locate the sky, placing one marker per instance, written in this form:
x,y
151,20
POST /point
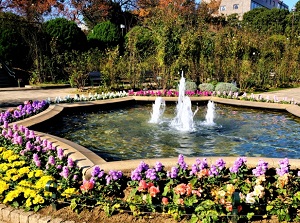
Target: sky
x,y
290,3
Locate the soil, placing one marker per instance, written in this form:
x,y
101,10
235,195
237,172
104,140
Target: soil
x,y
96,215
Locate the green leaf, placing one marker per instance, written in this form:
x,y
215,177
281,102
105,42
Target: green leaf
x,y
190,201
250,215
269,207
194,219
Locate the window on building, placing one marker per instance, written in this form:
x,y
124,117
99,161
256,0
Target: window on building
x,y
273,3
236,6
223,8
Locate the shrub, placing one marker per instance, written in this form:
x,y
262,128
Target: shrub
x,y
206,87
190,86
226,87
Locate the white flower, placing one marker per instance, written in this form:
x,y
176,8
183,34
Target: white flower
x,y
250,199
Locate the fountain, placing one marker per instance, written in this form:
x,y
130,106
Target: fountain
x,y
210,114
158,109
183,120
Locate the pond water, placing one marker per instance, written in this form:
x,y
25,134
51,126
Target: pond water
x,y
123,134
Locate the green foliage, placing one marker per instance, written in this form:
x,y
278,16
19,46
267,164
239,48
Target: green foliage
x,y
104,34
190,85
13,47
265,20
66,34
206,87
226,87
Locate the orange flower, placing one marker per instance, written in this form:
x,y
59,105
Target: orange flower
x,y
153,191
165,200
180,201
203,172
180,189
87,185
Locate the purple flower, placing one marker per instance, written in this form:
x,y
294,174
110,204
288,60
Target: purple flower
x,y
220,163
5,124
158,166
151,174
65,172
261,168
136,175
70,162
181,162
237,164
60,153
283,167
173,173
213,171
115,175
95,171
51,160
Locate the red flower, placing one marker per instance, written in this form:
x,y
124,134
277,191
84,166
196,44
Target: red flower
x,y
87,185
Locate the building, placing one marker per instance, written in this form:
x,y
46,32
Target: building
x,y
228,7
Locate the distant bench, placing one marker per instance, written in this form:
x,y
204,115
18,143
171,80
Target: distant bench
x,y
95,78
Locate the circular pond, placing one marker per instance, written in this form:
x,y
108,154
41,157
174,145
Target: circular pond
x,y
123,134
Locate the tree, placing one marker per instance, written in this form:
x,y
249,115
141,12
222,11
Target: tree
x,y
66,34
32,10
104,35
13,48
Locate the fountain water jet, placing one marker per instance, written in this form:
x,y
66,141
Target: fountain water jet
x,y
183,120
210,114
158,109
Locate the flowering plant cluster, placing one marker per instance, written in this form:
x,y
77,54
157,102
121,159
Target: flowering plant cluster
x,y
253,97
168,93
29,108
27,164
89,97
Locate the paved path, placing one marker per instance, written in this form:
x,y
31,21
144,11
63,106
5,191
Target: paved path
x,y
10,97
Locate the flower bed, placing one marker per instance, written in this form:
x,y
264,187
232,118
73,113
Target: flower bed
x,y
209,193
28,109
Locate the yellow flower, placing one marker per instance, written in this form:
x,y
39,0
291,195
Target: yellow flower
x,y
38,199
11,195
24,170
18,163
41,183
15,177
230,189
258,191
8,153
38,173
13,158
3,186
68,192
4,167
30,174
28,202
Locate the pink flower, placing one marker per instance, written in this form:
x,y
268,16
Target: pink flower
x,y
87,185
142,185
153,191
165,200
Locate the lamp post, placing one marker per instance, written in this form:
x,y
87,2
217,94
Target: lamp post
x,y
293,10
122,26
